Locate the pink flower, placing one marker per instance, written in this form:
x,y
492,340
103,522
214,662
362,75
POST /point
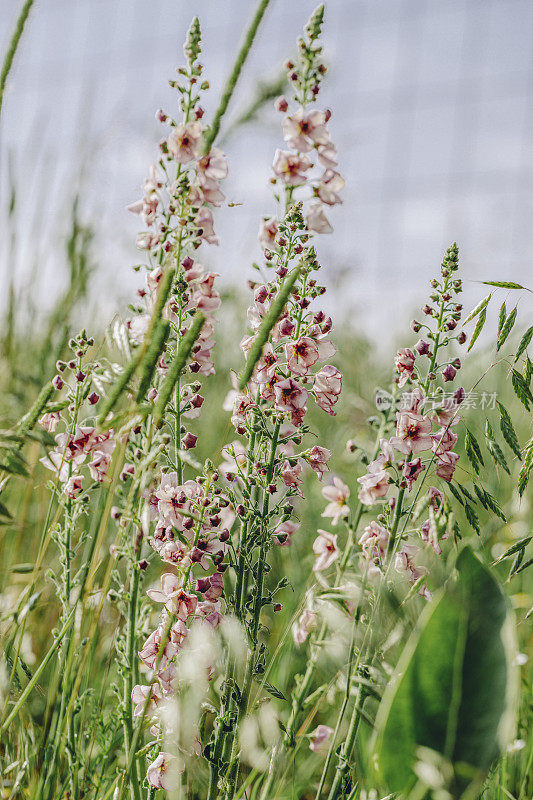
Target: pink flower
x,y
211,612
73,486
266,366
268,230
146,240
404,361
413,400
327,388
413,433
139,695
304,626
374,486
446,415
337,494
184,142
317,458
326,550
404,564
374,542
211,587
149,652
446,464
171,593
329,187
283,532
305,352
204,223
384,459
320,737
291,397
327,155
101,460
436,498
316,220
303,131
161,773
49,421
290,168
291,475
428,533
212,167
443,440
411,471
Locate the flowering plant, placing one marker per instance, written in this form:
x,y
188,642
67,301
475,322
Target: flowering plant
x,y
208,639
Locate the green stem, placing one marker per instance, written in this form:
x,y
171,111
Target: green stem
x,y
12,49
233,769
234,77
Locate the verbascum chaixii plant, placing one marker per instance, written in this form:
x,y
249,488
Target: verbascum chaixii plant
x,y
203,630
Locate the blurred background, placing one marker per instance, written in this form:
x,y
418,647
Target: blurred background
x,y
432,115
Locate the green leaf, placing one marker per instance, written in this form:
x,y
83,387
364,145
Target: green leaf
x,y
528,370
494,448
477,330
527,466
502,316
524,342
521,389
489,502
507,328
516,547
473,451
478,309
472,517
504,285
509,433
271,689
455,493
455,687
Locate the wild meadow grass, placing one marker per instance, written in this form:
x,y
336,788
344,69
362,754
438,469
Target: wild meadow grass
x,y
242,555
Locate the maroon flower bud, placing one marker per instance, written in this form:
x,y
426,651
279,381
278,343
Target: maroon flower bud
x,y
224,535
160,115
286,327
415,326
449,373
428,311
277,606
93,398
462,337
451,325
197,401
57,382
188,523
240,510
459,395
260,294
187,263
281,104
281,271
143,564
203,584
422,347
457,363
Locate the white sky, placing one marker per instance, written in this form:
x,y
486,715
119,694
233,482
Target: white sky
x,y
432,115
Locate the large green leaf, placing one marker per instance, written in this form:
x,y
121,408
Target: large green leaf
x,y
455,687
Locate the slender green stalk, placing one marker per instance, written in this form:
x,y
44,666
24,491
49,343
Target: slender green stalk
x,y
12,49
235,73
